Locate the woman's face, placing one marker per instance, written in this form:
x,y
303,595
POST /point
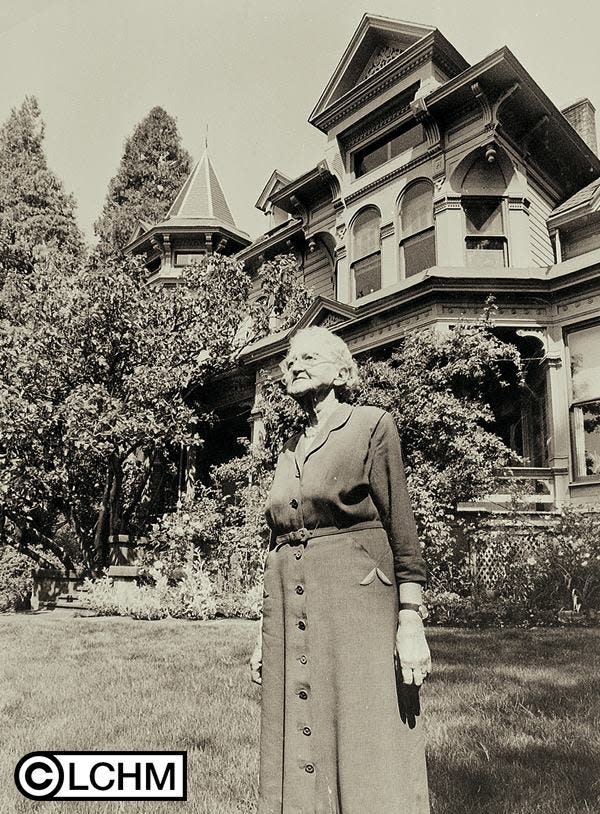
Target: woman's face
x,y
309,368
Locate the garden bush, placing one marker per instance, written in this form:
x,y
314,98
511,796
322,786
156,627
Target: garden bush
x,y
191,597
16,579
544,574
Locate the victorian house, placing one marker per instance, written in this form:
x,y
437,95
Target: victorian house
x,y
440,183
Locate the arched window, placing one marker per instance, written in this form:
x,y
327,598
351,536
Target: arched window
x,y
417,235
483,205
366,253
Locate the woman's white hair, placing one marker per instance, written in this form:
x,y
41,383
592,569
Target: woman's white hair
x,y
333,347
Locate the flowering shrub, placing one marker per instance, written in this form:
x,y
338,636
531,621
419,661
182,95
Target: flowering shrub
x,y
244,604
192,597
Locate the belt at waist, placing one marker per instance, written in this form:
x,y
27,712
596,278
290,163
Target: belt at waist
x,y
302,536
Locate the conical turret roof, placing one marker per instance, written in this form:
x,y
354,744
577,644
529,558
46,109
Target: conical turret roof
x,y
202,197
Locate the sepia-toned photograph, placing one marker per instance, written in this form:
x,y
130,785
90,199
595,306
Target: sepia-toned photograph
x,y
299,407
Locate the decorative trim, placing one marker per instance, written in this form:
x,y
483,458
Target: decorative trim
x,y
380,182
327,122
520,204
536,333
380,59
387,230
484,105
516,310
424,117
330,320
447,202
553,360
376,124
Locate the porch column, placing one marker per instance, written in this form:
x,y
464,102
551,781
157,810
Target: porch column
x,y
257,425
558,413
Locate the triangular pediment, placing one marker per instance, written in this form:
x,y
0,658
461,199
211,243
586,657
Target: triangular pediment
x,y
325,313
376,43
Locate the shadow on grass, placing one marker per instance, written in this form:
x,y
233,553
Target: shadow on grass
x,y
518,780
514,722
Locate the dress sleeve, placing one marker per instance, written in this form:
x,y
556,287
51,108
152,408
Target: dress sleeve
x,y
389,492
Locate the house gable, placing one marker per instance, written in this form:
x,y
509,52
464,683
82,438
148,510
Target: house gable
x,y
380,46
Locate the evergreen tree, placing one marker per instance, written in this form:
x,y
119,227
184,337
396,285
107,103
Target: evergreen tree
x,y
153,168
37,216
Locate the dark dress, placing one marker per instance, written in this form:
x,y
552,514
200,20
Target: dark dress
x,y
335,738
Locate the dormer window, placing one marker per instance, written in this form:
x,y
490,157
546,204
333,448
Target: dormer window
x,y
387,147
366,252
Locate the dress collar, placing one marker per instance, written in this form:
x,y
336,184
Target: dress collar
x,y
334,421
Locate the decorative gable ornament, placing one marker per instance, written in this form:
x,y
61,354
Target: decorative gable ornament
x,y
382,57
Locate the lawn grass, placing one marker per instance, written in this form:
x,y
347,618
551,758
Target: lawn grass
x,y
513,717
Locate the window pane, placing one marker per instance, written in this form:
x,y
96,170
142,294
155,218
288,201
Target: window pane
x,y
484,216
390,146
404,141
584,350
419,253
368,161
187,258
365,234
486,251
586,439
416,212
367,276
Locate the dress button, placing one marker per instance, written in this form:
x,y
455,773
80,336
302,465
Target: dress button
x,y
306,731
301,625
309,768
303,695
298,555
299,590
294,503
302,659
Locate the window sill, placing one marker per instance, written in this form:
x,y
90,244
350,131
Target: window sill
x,y
590,480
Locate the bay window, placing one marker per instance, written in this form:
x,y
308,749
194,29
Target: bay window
x,y
366,253
485,240
417,243
584,355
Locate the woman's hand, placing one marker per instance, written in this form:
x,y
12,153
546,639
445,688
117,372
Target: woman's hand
x,y
412,648
256,663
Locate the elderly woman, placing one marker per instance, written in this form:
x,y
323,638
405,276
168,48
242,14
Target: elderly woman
x,y
342,644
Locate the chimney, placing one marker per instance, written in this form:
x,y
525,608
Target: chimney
x,y
581,115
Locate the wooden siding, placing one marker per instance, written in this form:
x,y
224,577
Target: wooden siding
x,y
321,218
539,211
318,271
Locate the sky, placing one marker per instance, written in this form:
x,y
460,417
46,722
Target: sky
x,y
250,70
